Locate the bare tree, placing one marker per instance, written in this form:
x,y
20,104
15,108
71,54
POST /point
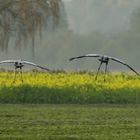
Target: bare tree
x,y
23,19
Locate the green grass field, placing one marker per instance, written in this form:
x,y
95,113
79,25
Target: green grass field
x,y
69,122
69,88
116,117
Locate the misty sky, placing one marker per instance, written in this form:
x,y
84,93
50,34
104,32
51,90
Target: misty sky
x,y
102,15
87,20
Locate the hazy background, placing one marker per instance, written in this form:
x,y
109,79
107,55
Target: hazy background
x,y
109,27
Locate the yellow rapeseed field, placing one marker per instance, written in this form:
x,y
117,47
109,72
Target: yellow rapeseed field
x,y
74,86
61,80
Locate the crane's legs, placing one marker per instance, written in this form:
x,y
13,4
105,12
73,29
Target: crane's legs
x,y
15,75
105,71
98,70
21,74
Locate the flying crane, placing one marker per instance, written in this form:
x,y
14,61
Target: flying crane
x,y
105,59
19,64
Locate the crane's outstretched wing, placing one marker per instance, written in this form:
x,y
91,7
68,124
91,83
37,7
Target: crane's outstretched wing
x,y
119,61
8,61
33,64
87,55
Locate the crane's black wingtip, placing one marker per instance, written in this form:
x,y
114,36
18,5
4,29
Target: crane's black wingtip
x,y
71,59
138,74
44,68
48,70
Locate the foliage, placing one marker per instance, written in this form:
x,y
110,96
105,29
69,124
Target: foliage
x,y
77,88
24,18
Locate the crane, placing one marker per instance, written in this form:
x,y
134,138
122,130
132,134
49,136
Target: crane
x,y
19,64
105,59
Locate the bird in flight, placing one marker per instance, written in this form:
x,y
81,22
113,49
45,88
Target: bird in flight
x,y
19,64
105,59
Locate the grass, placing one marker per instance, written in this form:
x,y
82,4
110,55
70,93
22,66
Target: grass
x,y
69,88
69,122
36,120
